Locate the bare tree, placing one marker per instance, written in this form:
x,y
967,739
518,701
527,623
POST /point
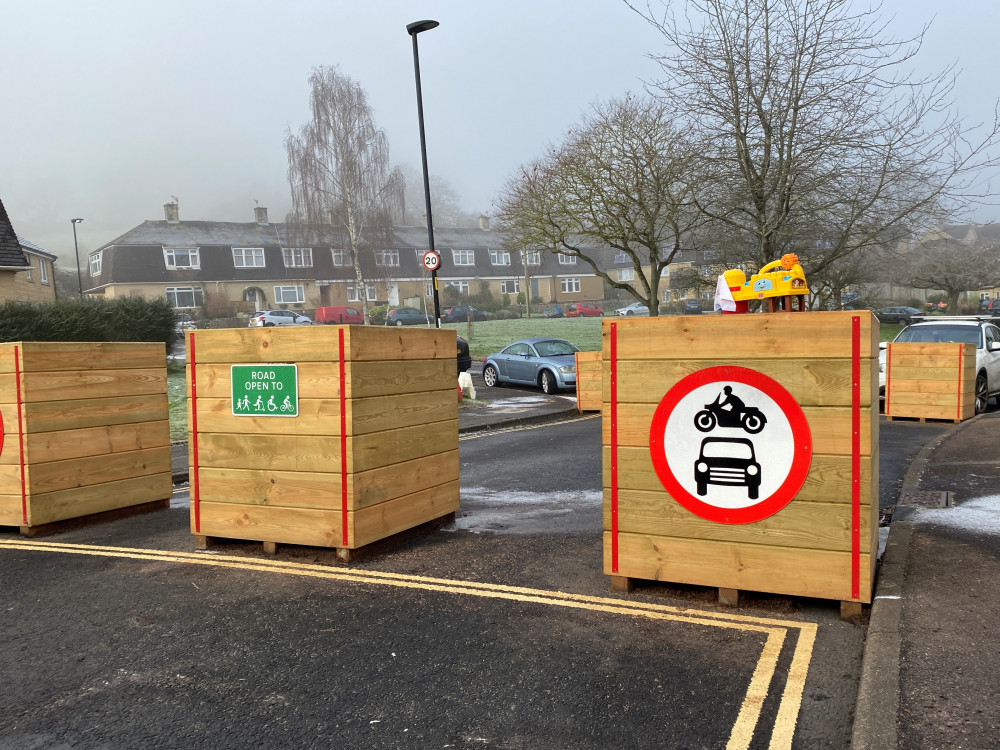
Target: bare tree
x,y
809,118
619,180
340,175
446,204
953,267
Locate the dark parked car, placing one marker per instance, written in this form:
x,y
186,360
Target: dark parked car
x,y
989,307
547,363
407,316
464,360
692,307
904,315
460,314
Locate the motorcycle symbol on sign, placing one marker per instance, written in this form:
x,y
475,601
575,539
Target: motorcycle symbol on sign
x,y
728,410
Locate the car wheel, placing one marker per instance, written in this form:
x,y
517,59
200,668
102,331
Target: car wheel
x,y
490,376
629,313
982,394
548,383
702,489
399,322
269,325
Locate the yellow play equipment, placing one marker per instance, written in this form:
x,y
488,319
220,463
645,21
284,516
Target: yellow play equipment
x,y
781,279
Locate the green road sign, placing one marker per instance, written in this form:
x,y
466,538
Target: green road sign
x,y
265,390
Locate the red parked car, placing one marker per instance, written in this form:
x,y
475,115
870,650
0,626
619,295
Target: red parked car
x,y
583,310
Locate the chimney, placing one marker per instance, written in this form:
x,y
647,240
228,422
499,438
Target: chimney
x,y
484,222
172,213
260,214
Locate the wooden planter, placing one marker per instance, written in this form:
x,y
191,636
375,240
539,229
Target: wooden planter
x,y
588,381
372,452
84,430
930,381
822,543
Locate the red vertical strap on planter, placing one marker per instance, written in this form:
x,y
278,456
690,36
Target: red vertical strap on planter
x,y
961,365
20,434
343,439
888,378
856,457
613,411
195,483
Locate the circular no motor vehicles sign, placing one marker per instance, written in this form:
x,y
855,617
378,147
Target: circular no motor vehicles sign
x,y
730,445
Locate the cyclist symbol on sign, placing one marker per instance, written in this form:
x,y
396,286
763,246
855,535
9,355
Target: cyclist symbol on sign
x,y
728,410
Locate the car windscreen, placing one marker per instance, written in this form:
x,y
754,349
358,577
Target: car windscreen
x,y
720,449
943,333
554,348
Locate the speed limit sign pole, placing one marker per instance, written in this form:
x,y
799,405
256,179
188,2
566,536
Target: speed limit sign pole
x,y
431,261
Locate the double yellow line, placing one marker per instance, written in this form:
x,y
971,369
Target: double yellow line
x,y
775,631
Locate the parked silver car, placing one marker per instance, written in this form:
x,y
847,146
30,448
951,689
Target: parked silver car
x,y
548,363
268,318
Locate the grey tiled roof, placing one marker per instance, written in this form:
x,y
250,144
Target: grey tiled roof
x,y
29,245
11,255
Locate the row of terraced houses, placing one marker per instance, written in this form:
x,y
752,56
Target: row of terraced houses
x,y
255,265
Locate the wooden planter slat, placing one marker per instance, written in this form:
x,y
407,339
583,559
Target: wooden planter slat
x,y
809,547
258,345
930,381
810,382
750,567
91,420
829,479
299,480
588,381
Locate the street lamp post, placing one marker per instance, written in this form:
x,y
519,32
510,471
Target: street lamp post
x,y
413,29
76,247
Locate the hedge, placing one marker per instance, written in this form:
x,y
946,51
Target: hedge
x,y
89,319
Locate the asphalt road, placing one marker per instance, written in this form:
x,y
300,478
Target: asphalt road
x,y
118,635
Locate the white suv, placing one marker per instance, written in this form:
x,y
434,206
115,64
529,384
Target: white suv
x,y
268,318
981,332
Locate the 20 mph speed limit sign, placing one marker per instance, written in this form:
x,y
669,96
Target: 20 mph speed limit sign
x,y
431,260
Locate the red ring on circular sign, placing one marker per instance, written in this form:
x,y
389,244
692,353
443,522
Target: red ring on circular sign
x,y
801,437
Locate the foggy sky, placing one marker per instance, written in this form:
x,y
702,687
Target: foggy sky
x,y
108,108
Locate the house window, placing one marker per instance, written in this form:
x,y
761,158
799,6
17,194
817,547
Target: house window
x,y
532,258
387,257
297,257
664,295
354,296
706,271
27,273
571,286
43,270
463,257
428,289
499,258
95,263
462,287
626,274
567,260
510,286
185,296
338,259
248,257
621,257
289,294
181,257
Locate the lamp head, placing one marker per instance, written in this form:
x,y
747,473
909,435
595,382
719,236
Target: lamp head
x,y
76,221
417,26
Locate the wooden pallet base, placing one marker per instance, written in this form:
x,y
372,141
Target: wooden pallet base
x,y
923,420
727,597
69,524
344,554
